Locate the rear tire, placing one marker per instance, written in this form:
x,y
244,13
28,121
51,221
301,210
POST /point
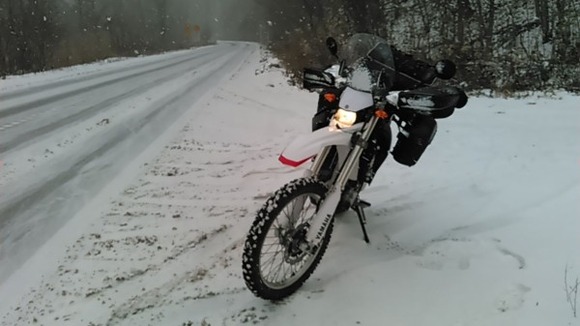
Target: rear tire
x,y
273,265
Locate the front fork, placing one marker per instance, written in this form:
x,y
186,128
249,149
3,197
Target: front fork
x,y
314,170
323,217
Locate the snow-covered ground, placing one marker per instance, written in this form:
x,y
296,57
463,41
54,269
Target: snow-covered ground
x,y
480,232
65,134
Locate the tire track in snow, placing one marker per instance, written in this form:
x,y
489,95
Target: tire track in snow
x,y
54,98
75,80
45,197
88,111
41,191
158,246
108,282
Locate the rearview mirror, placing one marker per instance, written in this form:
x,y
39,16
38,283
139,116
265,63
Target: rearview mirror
x,y
445,69
332,46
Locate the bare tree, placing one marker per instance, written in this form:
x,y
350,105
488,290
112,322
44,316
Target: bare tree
x,y
543,13
366,16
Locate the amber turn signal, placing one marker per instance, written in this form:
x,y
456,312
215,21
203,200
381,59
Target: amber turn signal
x,y
330,97
381,114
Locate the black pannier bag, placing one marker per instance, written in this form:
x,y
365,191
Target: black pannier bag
x,y
414,137
411,73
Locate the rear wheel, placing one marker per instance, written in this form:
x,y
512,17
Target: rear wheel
x,y
273,265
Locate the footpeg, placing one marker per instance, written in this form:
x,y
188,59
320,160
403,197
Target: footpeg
x,y
364,204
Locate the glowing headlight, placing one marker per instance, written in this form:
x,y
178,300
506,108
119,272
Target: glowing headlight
x,y
344,118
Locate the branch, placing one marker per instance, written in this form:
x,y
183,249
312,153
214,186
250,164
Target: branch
x,y
509,32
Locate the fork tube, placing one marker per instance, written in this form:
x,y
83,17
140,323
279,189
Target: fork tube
x,y
319,160
354,156
323,217
316,166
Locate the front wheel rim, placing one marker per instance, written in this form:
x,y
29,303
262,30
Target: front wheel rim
x,y
277,269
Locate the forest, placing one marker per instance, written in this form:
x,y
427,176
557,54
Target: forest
x,y
37,35
504,45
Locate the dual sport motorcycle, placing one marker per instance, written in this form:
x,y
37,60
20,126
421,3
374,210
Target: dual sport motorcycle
x,y
360,98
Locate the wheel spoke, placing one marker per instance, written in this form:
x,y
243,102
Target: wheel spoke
x,y
292,210
271,267
288,213
279,268
270,251
272,257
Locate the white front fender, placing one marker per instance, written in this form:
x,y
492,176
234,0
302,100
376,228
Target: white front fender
x,y
304,147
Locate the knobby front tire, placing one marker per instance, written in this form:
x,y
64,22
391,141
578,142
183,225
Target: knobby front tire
x,y
273,266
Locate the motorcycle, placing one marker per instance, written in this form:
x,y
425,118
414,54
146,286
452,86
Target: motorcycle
x,y
351,130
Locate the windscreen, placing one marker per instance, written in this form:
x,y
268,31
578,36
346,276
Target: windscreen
x,y
369,62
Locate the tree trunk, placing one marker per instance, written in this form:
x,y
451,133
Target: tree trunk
x,y
542,12
357,12
489,28
563,45
366,16
462,15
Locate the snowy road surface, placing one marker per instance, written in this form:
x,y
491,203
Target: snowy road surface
x,y
61,140
480,232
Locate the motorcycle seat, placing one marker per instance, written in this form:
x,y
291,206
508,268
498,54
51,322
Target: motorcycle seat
x,y
438,102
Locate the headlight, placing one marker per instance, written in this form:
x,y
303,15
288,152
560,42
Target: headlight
x,y
343,119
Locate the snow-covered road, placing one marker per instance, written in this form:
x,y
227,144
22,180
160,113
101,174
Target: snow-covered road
x,y
62,139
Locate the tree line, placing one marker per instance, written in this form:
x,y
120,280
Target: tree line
x,y
37,35
498,44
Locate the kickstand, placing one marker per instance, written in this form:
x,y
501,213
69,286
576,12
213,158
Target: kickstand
x,y
359,209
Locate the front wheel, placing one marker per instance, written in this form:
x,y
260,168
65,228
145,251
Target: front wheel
x,y
273,264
